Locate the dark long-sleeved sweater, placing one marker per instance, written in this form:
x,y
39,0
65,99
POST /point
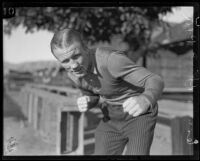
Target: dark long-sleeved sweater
x,y
118,78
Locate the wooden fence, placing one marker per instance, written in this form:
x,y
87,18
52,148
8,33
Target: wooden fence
x,y
55,117
52,111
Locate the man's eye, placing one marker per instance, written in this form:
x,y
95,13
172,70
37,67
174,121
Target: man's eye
x,y
65,61
76,56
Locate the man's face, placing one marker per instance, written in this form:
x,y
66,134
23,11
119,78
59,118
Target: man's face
x,y
74,59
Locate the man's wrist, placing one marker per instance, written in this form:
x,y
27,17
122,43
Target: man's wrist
x,y
147,100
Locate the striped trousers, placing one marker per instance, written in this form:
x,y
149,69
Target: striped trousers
x,y
136,134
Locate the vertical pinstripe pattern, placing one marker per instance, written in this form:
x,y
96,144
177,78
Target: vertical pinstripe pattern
x,y
140,137
140,133
109,143
136,133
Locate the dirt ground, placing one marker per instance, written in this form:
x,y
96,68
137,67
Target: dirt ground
x,y
27,141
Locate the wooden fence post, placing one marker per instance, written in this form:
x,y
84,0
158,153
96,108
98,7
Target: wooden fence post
x,y
30,106
58,137
72,133
179,131
39,113
35,110
68,131
80,149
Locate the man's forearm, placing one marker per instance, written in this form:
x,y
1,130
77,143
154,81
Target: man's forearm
x,y
153,89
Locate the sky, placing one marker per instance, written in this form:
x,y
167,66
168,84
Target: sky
x,y
21,47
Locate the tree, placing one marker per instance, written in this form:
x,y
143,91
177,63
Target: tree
x,y
98,24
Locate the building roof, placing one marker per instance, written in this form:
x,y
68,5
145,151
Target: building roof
x,y
177,39
174,33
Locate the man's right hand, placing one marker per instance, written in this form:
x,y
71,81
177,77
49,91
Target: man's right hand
x,y
83,103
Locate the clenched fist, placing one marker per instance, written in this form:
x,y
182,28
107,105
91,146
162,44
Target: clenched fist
x,y
136,106
83,103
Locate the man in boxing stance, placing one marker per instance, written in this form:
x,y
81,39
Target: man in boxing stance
x,y
127,92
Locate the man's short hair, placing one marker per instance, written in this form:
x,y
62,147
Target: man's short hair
x,y
64,38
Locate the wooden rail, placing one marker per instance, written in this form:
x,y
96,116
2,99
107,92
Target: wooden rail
x,y
55,117
53,112
179,126
56,89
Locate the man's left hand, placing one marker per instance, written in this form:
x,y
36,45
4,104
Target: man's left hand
x,y
136,106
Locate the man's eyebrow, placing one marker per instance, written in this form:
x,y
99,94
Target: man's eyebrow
x,y
66,53
76,53
64,60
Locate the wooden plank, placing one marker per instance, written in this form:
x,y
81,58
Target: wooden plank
x,y
89,141
175,108
56,88
178,90
30,100
88,132
35,111
63,129
72,133
39,113
80,149
76,117
69,139
58,137
179,130
164,119
69,104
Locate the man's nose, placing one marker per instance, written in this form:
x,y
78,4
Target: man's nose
x,y
73,64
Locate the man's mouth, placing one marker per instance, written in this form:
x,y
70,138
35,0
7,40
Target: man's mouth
x,y
79,70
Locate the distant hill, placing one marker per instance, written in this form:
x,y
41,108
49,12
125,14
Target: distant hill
x,y
8,66
30,66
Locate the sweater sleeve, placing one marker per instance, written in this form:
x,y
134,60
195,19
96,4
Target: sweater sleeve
x,y
120,66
